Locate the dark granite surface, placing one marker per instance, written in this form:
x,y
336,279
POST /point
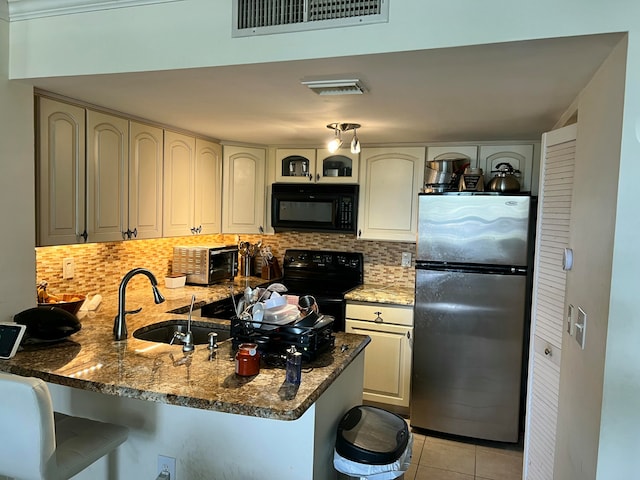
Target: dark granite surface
x,y
92,360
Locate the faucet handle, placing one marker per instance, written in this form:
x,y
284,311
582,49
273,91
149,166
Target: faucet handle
x,y
213,340
133,312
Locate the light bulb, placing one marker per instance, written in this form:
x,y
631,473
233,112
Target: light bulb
x,y
335,143
355,143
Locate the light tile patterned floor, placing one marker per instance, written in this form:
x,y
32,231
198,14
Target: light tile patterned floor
x,y
449,459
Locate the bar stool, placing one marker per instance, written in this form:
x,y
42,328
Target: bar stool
x,y
372,444
38,443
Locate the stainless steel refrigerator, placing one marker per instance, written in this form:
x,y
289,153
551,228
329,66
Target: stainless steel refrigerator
x,y
472,281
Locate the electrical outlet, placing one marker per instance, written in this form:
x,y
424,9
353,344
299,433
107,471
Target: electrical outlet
x,y
68,268
166,467
406,259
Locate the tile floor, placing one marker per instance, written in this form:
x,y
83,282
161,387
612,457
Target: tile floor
x,y
437,458
451,458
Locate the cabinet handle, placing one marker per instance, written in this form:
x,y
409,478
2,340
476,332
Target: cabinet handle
x,y
317,177
310,177
199,229
359,233
85,235
135,233
378,318
193,230
126,234
261,229
548,352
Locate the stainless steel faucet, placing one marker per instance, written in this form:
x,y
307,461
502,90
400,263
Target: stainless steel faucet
x,y
186,338
120,324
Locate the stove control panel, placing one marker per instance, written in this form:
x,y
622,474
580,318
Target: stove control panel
x,y
323,260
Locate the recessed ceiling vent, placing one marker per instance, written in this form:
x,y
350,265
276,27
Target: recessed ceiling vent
x,y
263,17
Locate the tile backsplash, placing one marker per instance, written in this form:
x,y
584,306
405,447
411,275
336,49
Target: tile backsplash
x,y
99,267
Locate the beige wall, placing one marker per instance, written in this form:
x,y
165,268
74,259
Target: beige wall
x,y
589,282
620,419
17,202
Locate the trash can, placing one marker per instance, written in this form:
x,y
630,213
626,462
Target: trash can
x,y
372,444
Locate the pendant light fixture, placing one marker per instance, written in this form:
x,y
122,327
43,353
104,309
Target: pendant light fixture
x,y
336,142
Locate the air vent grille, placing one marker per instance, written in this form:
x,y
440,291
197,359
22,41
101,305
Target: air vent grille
x,y
253,17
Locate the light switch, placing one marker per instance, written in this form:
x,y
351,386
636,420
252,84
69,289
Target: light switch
x,y
581,327
570,314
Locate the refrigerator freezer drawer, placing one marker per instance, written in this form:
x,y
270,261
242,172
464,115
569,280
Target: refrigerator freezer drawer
x,y
467,358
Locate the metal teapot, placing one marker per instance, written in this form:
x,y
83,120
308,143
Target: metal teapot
x,y
505,180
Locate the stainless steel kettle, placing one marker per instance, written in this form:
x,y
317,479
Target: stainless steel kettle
x,y
505,180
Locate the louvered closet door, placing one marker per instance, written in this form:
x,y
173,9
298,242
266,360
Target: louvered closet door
x,y
548,311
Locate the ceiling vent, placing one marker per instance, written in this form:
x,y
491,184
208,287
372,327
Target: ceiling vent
x,y
263,17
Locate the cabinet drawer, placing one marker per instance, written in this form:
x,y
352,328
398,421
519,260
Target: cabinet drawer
x,y
393,314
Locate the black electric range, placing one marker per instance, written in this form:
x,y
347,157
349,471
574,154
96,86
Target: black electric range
x,y
326,275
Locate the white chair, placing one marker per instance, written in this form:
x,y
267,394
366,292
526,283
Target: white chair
x,y
37,443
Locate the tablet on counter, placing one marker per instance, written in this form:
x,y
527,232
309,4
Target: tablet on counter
x,y
10,337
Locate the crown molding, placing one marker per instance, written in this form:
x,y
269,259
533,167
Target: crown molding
x,y
30,9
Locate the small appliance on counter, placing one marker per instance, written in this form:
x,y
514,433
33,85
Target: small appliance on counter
x,y
205,264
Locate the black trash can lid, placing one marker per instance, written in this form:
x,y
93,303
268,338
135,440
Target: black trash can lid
x,y
371,435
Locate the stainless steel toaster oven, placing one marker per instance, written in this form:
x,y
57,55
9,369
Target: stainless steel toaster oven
x,y
205,264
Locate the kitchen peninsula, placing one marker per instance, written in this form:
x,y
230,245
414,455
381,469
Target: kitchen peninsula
x,y
193,407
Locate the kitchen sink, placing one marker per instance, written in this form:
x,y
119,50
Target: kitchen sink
x,y
163,332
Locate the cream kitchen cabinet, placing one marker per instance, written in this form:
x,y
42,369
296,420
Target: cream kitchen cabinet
x,y
305,165
244,176
60,167
390,180
520,157
192,185
96,194
450,152
387,361
107,177
145,181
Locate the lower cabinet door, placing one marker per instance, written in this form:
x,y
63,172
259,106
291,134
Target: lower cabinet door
x,y
387,361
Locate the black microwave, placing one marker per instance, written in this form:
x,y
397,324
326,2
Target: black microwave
x,y
314,207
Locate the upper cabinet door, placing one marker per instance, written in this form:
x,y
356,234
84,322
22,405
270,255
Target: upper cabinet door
x,y
520,157
107,176
295,165
60,173
390,181
309,165
179,187
243,209
145,181
452,152
208,187
339,167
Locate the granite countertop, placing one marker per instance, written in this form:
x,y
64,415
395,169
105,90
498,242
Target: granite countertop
x,y
382,294
91,360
